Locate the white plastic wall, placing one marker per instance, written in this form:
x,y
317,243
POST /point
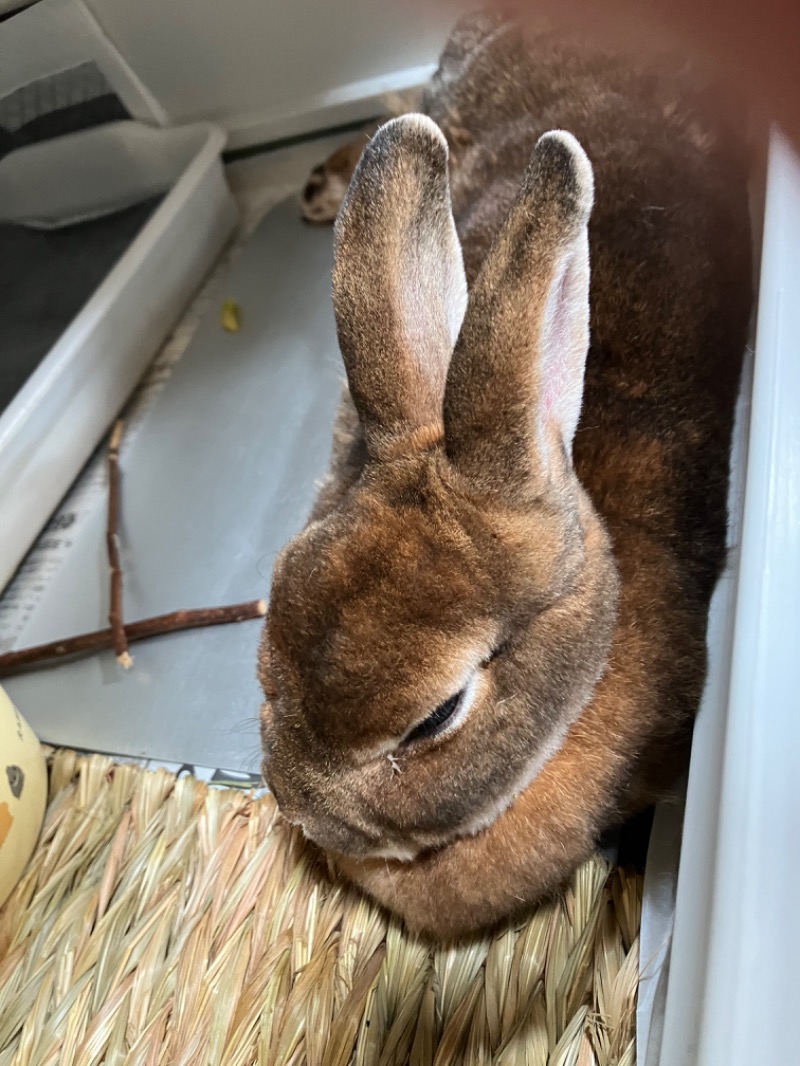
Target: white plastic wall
x,y
734,980
271,68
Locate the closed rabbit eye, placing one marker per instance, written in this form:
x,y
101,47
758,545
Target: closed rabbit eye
x,y
436,722
496,653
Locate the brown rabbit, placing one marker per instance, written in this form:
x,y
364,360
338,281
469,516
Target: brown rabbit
x,y
488,644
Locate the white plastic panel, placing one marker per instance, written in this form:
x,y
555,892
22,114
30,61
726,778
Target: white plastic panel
x,y
734,979
53,35
96,171
266,69
52,425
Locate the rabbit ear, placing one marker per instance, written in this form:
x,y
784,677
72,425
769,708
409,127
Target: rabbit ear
x,y
399,290
515,383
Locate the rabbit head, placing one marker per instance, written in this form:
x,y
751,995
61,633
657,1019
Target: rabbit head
x,y
434,632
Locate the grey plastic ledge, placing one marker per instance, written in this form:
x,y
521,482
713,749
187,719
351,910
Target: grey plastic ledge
x,y
734,980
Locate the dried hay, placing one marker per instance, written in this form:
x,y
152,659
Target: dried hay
x,y
165,922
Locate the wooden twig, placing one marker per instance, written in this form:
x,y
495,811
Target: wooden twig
x,y
15,661
115,613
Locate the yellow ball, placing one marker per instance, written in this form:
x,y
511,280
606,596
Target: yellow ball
x,y
23,794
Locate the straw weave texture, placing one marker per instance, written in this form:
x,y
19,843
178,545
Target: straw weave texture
x,y
164,922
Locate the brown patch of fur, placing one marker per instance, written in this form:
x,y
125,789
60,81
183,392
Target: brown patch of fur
x,y
327,184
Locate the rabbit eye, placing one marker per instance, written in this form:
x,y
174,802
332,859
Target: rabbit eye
x,y
435,722
496,653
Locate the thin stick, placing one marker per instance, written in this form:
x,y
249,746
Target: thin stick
x,y
115,613
84,643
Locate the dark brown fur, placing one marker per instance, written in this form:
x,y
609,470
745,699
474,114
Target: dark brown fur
x,y
327,183
429,535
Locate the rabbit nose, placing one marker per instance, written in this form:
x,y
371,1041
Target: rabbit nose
x,y
291,812
333,834
280,799
327,830
291,815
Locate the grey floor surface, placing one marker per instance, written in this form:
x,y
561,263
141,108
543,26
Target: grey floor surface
x,y
219,474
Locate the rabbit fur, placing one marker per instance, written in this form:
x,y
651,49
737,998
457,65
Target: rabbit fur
x,y
523,521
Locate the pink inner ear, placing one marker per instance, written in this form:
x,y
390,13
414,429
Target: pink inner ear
x,y
556,348
564,342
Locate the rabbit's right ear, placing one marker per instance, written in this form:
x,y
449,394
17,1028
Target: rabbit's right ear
x,y
515,384
399,290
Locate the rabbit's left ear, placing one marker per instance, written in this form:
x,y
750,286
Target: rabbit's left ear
x,y
515,384
399,290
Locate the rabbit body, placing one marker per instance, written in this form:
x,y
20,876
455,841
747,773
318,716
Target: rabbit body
x,y
488,644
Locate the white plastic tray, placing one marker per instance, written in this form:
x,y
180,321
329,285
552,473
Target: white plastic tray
x,y
51,427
